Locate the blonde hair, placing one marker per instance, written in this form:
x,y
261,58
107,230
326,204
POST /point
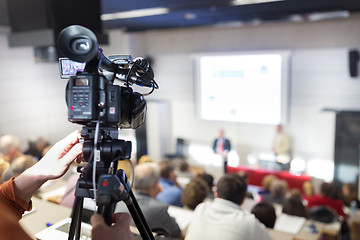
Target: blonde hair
x,y
145,159
266,182
308,188
4,166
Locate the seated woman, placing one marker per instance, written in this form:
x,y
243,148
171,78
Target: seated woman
x,y
350,194
278,190
327,197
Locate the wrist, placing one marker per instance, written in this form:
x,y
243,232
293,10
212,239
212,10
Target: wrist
x,y
26,184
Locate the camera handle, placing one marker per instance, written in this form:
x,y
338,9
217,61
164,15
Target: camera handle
x,y
83,189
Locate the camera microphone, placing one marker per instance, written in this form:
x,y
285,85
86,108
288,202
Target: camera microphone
x,y
136,80
144,69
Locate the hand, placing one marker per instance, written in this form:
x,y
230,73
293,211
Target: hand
x,y
53,165
118,231
58,159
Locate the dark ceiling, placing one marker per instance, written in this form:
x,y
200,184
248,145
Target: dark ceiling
x,y
187,13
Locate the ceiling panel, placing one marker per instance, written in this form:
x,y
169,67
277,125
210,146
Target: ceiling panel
x,y
186,13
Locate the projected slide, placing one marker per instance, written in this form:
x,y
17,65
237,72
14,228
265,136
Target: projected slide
x,y
241,88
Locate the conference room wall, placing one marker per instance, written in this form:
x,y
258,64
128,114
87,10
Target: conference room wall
x,y
319,79
32,95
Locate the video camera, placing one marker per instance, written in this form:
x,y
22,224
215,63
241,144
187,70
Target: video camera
x,y
95,101
90,93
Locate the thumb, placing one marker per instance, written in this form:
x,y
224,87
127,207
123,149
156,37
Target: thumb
x,y
96,220
122,218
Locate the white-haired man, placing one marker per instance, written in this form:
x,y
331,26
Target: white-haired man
x,y
146,186
9,147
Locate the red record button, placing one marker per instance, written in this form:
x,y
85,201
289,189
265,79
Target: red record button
x,y
105,183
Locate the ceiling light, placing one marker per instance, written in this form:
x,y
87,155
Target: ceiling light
x,y
190,16
134,13
247,2
328,15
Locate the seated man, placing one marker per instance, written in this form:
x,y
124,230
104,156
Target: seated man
x,y
146,186
265,212
171,191
223,218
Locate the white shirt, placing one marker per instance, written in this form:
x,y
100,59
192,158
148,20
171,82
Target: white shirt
x,y
224,220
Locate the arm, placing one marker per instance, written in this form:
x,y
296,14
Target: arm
x,y
53,165
214,145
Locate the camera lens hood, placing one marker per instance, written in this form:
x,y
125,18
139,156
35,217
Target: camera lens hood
x,y
78,43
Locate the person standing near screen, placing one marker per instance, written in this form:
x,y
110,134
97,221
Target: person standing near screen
x,y
282,148
222,146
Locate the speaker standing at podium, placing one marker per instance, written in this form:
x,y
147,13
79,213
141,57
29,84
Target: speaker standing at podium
x,y
282,148
222,146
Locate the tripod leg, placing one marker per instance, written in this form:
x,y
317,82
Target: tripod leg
x,y
75,226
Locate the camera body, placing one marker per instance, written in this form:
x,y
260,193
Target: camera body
x,y
88,97
91,98
91,94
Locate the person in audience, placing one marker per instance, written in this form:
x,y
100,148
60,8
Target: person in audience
x,y
15,194
295,192
327,197
171,190
146,187
308,189
19,165
266,183
209,179
222,146
265,212
294,206
183,173
278,190
184,170
245,176
350,194
36,146
223,218
4,166
144,159
195,192
9,147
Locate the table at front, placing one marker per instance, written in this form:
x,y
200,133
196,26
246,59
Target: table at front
x,y
44,212
255,176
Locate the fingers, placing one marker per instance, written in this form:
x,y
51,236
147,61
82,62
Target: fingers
x,y
69,140
96,220
73,153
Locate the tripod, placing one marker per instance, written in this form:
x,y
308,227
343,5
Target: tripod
x,y
109,180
